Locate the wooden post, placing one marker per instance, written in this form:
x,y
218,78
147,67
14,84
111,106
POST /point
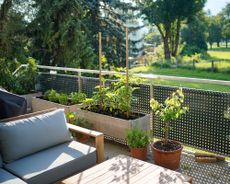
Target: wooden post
x,y
100,59
100,67
212,66
127,55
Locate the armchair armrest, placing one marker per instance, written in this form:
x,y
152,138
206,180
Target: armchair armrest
x,y
99,139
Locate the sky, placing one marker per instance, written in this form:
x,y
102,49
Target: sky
x,y
215,5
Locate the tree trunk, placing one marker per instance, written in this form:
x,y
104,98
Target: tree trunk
x,y
226,43
210,45
218,44
167,52
177,38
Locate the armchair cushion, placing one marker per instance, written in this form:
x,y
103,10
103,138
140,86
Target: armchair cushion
x,y
23,137
8,178
55,163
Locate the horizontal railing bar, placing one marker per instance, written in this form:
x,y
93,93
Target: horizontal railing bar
x,y
145,76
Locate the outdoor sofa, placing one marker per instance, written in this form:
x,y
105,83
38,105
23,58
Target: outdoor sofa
x,y
38,148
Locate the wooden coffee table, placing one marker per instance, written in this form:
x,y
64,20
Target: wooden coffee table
x,y
127,170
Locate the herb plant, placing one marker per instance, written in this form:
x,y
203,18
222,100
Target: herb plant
x,y
170,110
137,138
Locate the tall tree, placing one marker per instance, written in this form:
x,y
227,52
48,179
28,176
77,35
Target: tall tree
x,y
194,35
214,30
225,21
168,16
58,34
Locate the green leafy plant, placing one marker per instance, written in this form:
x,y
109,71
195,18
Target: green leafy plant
x,y
77,98
63,99
170,110
117,97
25,79
75,120
52,95
137,138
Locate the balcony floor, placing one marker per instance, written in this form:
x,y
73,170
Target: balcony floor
x,y
202,173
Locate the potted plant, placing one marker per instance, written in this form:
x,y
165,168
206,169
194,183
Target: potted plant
x,y
110,110
51,98
138,141
167,153
74,119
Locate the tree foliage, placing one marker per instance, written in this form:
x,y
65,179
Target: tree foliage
x,y
168,15
194,36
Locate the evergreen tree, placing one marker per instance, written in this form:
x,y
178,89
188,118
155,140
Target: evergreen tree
x,y
58,36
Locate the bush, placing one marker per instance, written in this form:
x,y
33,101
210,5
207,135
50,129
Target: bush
x,y
25,79
77,98
137,138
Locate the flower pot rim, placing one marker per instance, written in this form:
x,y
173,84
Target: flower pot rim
x,y
178,150
138,148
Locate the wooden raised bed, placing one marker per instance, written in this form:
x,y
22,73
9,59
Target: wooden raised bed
x,y
39,104
112,126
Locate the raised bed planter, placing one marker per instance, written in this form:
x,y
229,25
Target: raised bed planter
x,y
112,126
39,104
29,97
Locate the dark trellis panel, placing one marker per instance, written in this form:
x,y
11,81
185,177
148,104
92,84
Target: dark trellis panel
x,y
204,126
59,82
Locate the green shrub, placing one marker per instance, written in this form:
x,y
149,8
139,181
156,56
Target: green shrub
x,y
77,98
137,138
63,99
26,78
52,95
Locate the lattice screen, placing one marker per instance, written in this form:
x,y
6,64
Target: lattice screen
x,y
59,82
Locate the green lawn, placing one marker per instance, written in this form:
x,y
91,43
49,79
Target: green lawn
x,y
217,54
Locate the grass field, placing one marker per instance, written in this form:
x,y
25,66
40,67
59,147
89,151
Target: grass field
x,y
217,54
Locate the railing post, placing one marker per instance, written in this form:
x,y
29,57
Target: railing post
x,y
79,82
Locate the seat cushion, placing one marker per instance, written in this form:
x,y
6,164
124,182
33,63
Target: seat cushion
x,y
8,178
53,164
26,136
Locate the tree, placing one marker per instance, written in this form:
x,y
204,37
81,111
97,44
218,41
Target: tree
x,y
214,30
194,36
13,39
168,16
58,34
225,21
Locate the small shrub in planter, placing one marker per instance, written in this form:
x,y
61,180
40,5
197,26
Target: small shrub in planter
x,y
53,99
64,99
167,153
81,122
138,141
113,101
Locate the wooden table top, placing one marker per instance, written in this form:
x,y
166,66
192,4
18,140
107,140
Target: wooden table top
x,y
126,170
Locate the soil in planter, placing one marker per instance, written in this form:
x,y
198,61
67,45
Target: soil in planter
x,y
171,146
115,113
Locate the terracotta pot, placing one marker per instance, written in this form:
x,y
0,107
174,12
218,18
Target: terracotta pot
x,y
83,138
167,159
139,153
